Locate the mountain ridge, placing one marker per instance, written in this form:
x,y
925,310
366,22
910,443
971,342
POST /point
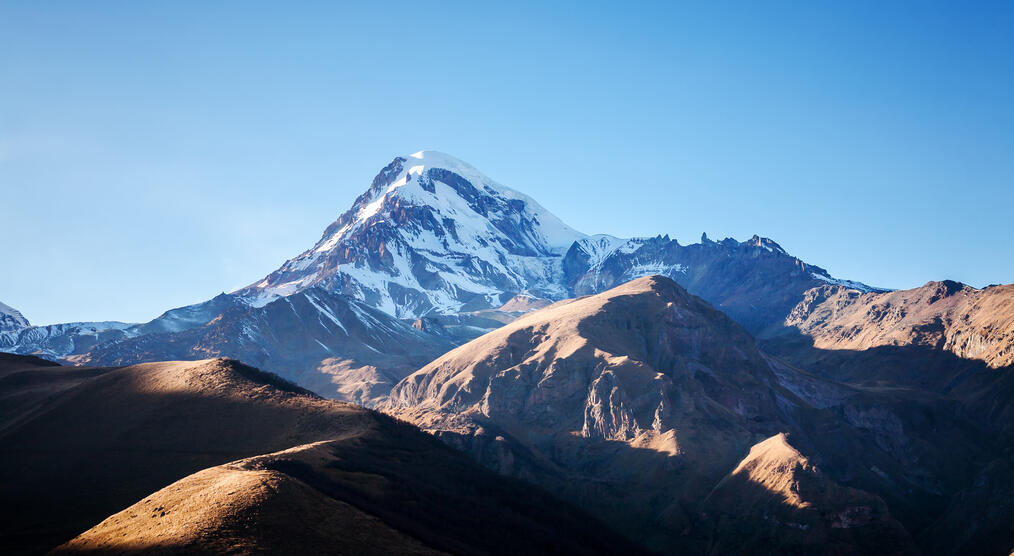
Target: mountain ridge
x,y
434,235
637,401
634,402
434,238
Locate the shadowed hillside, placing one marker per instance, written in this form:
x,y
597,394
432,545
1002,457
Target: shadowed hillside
x,y
111,440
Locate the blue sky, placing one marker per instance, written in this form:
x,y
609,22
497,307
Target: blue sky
x,y
153,156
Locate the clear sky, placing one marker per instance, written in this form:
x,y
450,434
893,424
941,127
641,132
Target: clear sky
x,y
155,154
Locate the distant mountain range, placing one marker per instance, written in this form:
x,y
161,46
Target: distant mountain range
x,y
329,343
717,397
431,238
434,235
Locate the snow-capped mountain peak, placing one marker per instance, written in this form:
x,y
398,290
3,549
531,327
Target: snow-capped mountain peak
x,y
421,178
431,234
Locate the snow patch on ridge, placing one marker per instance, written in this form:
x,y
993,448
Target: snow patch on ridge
x,y
324,310
639,270
851,284
332,241
599,246
630,246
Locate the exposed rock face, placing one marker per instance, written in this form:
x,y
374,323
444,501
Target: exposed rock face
x,y
523,303
113,438
331,344
948,316
555,371
945,338
635,403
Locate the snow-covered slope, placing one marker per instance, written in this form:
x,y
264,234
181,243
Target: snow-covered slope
x,y
58,341
55,341
11,320
325,342
431,235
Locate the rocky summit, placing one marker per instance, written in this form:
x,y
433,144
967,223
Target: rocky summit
x,y
432,234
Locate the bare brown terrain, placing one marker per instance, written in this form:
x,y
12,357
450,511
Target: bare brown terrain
x,y
641,402
522,303
27,382
109,441
944,340
778,499
239,508
882,425
968,322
